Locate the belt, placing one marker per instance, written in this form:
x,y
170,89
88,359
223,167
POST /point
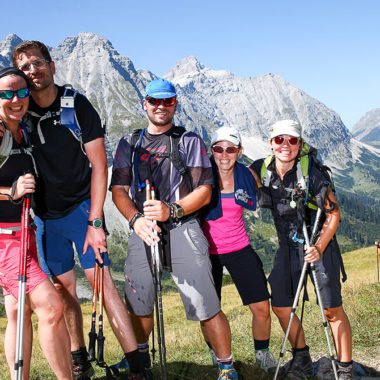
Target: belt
x,y
9,230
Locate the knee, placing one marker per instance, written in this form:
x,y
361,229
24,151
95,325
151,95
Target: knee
x,y
333,314
281,312
260,310
52,311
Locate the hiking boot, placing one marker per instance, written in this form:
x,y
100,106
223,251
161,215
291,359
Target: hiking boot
x,y
83,371
213,356
265,360
82,368
301,366
345,373
227,372
139,376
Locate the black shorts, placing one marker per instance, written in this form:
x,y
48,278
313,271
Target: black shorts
x,y
246,270
327,270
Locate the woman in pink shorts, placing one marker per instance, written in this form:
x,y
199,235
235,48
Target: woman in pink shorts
x,y
42,297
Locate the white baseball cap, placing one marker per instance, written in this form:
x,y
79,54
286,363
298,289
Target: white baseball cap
x,y
226,134
286,127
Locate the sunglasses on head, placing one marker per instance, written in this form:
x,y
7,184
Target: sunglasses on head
x,y
168,102
9,94
279,140
227,149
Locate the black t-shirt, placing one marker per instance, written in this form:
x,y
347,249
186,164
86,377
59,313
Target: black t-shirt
x,y
14,167
64,170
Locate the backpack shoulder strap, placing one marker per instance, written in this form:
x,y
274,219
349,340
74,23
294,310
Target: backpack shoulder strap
x,y
175,137
265,173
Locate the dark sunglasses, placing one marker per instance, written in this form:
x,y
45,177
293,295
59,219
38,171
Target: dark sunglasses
x,y
9,94
228,149
169,102
279,140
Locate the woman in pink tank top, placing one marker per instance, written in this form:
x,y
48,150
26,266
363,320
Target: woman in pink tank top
x,y
229,243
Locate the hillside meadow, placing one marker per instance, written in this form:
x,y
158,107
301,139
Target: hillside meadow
x,y
188,356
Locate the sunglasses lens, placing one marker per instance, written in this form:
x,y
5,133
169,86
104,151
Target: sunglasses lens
x,y
293,141
22,92
153,101
169,102
231,149
217,149
6,94
278,140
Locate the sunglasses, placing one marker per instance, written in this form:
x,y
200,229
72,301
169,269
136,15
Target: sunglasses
x,y
279,140
227,149
9,94
169,102
37,64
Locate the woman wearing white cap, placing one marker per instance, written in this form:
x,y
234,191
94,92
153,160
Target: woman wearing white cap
x,y
229,243
291,178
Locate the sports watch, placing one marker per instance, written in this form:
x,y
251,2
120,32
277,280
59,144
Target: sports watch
x,y
96,223
178,211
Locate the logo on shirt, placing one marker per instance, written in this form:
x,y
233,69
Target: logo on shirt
x,y
242,195
156,153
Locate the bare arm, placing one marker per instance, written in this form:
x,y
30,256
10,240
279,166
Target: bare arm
x,y
328,230
199,197
96,154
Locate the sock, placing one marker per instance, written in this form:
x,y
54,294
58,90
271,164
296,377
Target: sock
x,y
79,356
306,348
133,358
345,364
226,361
261,344
143,347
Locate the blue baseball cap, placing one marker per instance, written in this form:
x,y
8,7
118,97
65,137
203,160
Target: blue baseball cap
x,y
160,88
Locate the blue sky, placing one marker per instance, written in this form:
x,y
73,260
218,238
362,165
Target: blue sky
x,y
330,49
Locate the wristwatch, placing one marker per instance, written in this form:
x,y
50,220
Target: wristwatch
x,y
96,223
178,211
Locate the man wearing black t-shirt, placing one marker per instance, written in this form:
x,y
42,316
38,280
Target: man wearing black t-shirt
x,y
71,193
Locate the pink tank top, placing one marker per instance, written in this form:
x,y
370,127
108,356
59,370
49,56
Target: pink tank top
x,y
228,233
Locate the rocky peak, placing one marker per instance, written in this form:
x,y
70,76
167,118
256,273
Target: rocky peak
x,y
8,44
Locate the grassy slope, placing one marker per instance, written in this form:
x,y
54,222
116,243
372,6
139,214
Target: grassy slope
x,y
188,357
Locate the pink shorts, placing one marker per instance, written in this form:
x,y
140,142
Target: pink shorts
x,y
10,247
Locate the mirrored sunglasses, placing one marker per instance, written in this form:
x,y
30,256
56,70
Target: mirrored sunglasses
x,y
279,140
227,149
9,94
168,102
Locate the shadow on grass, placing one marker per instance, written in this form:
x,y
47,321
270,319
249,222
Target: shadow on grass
x,y
193,371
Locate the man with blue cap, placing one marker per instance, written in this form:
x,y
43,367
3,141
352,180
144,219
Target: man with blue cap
x,y
175,163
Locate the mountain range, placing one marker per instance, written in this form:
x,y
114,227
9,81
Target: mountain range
x,y
209,99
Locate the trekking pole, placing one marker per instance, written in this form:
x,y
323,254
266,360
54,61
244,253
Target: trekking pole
x,y
92,334
99,337
155,259
377,245
22,287
320,303
296,298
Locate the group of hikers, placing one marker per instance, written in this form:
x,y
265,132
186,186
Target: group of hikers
x,y
52,147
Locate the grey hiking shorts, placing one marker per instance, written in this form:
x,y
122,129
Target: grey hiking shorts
x,y
191,273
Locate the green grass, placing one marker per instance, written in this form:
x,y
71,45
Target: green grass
x,y
188,356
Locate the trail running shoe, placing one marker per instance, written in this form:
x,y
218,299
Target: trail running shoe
x,y
124,365
227,372
265,360
139,376
213,357
345,373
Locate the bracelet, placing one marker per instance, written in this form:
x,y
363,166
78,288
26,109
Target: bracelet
x,y
134,218
171,209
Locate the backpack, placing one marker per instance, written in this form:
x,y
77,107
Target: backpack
x,y
67,116
308,157
174,156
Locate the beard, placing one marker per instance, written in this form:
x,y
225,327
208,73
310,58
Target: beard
x,y
161,123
